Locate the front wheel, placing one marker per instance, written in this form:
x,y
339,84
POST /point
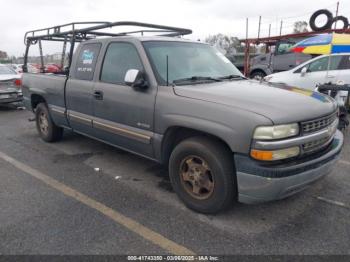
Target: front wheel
x,y
202,174
47,129
257,75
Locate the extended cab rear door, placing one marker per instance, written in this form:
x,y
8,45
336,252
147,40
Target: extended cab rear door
x,y
79,88
123,115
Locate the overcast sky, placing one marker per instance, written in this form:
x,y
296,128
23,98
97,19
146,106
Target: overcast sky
x,y
204,17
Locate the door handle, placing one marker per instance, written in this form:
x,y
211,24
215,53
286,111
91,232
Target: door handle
x,y
98,95
330,76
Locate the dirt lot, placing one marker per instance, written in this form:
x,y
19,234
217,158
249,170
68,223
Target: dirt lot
x,y
80,196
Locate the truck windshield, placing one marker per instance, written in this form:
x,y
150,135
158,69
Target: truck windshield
x,y
188,62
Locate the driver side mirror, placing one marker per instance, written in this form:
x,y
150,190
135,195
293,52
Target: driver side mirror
x,y
135,78
303,71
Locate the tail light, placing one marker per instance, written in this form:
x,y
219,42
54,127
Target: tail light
x,y
18,83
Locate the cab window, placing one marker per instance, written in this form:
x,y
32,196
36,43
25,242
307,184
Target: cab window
x,y
86,62
284,48
119,58
344,63
335,62
318,65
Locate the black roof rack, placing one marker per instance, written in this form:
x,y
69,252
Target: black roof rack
x,y
72,32
62,32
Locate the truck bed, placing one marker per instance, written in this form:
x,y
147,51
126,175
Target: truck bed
x,y
51,86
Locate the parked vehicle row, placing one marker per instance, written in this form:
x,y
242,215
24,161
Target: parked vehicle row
x,y
35,68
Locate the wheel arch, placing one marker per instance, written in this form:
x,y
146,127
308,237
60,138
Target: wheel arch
x,y
175,134
36,99
256,70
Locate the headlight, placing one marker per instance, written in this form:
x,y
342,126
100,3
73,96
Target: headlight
x,y
275,154
276,132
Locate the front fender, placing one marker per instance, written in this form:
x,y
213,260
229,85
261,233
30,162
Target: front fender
x,y
232,125
236,134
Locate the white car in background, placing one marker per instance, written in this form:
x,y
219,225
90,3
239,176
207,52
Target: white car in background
x,y
17,67
334,68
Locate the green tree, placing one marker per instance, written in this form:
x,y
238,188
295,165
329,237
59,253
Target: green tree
x,y
300,27
3,55
228,45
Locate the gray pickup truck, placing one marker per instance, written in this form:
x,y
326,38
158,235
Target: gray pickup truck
x,y
183,104
279,60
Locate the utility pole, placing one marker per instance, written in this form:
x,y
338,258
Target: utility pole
x,y
267,46
246,51
246,29
281,27
259,27
336,14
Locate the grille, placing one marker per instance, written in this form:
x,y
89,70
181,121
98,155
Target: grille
x,y
318,124
315,145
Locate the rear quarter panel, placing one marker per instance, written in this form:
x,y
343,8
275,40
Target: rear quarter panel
x,y
51,88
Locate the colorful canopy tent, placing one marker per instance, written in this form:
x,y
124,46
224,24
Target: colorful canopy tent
x,y
324,44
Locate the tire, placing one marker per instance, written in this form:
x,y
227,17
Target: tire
x,y
47,129
343,118
257,75
327,25
217,173
343,19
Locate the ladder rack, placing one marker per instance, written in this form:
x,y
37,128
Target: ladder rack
x,y
83,31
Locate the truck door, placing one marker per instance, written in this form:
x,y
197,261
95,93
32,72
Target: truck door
x,y
79,88
316,73
123,115
341,63
283,59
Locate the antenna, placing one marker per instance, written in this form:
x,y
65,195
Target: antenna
x,y
167,70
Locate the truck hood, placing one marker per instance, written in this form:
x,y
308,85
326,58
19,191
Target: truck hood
x,y
260,59
280,104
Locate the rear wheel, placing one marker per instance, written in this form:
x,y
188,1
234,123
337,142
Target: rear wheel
x,y
47,129
202,174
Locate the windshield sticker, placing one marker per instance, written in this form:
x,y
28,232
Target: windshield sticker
x,y
87,57
223,58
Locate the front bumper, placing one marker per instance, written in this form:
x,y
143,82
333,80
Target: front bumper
x,y
257,182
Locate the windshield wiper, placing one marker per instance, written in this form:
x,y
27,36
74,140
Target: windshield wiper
x,y
196,79
232,77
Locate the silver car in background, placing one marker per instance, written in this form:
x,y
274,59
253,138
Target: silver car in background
x,y
10,86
